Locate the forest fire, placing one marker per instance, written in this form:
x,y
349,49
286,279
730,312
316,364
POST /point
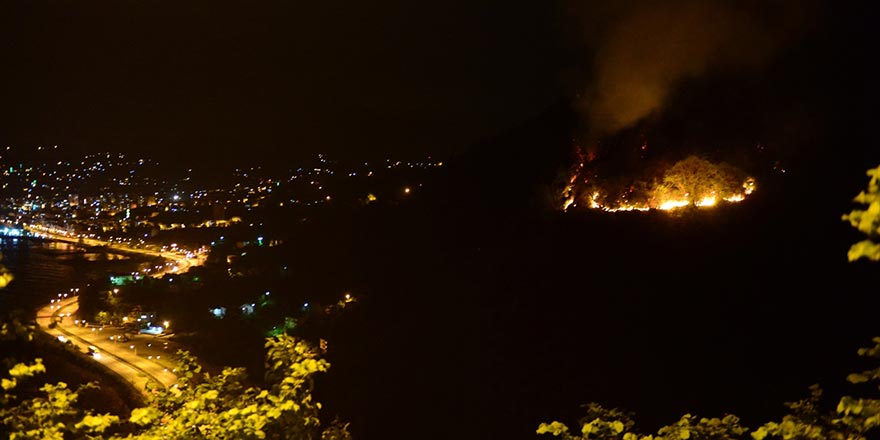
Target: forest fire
x,y
690,182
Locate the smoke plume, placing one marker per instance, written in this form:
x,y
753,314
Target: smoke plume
x,y
650,47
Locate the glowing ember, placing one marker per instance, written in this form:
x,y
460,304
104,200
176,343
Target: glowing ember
x,y
734,199
568,193
707,201
593,203
672,204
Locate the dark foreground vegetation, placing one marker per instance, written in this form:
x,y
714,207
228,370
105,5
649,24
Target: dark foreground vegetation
x,y
200,405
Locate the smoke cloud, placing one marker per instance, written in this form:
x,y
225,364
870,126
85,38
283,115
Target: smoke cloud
x,y
650,47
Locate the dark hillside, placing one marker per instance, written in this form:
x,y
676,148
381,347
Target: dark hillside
x,y
486,312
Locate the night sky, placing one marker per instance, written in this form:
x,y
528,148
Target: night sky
x,y
281,78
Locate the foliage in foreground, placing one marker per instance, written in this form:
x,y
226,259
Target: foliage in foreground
x,y
199,406
855,418
867,220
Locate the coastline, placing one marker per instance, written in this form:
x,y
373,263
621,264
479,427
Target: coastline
x,y
119,363
122,359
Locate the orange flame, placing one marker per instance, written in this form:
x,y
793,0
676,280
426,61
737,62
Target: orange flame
x,y
705,201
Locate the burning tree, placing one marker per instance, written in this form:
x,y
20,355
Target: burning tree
x,y
691,181
697,181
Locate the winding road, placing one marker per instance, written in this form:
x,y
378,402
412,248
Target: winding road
x,y
117,356
138,360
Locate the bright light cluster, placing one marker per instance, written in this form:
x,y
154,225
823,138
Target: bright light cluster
x,y
702,201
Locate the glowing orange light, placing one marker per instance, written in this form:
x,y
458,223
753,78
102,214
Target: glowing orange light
x,y
704,201
707,201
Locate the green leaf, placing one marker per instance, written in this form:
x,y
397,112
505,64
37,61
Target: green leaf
x,y
760,433
143,416
857,378
555,428
97,423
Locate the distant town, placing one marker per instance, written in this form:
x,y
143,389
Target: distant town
x,y
131,200
209,264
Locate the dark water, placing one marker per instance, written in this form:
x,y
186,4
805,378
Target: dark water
x,y
44,268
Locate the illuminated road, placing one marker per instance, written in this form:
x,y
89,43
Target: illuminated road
x,y
119,357
137,360
181,261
